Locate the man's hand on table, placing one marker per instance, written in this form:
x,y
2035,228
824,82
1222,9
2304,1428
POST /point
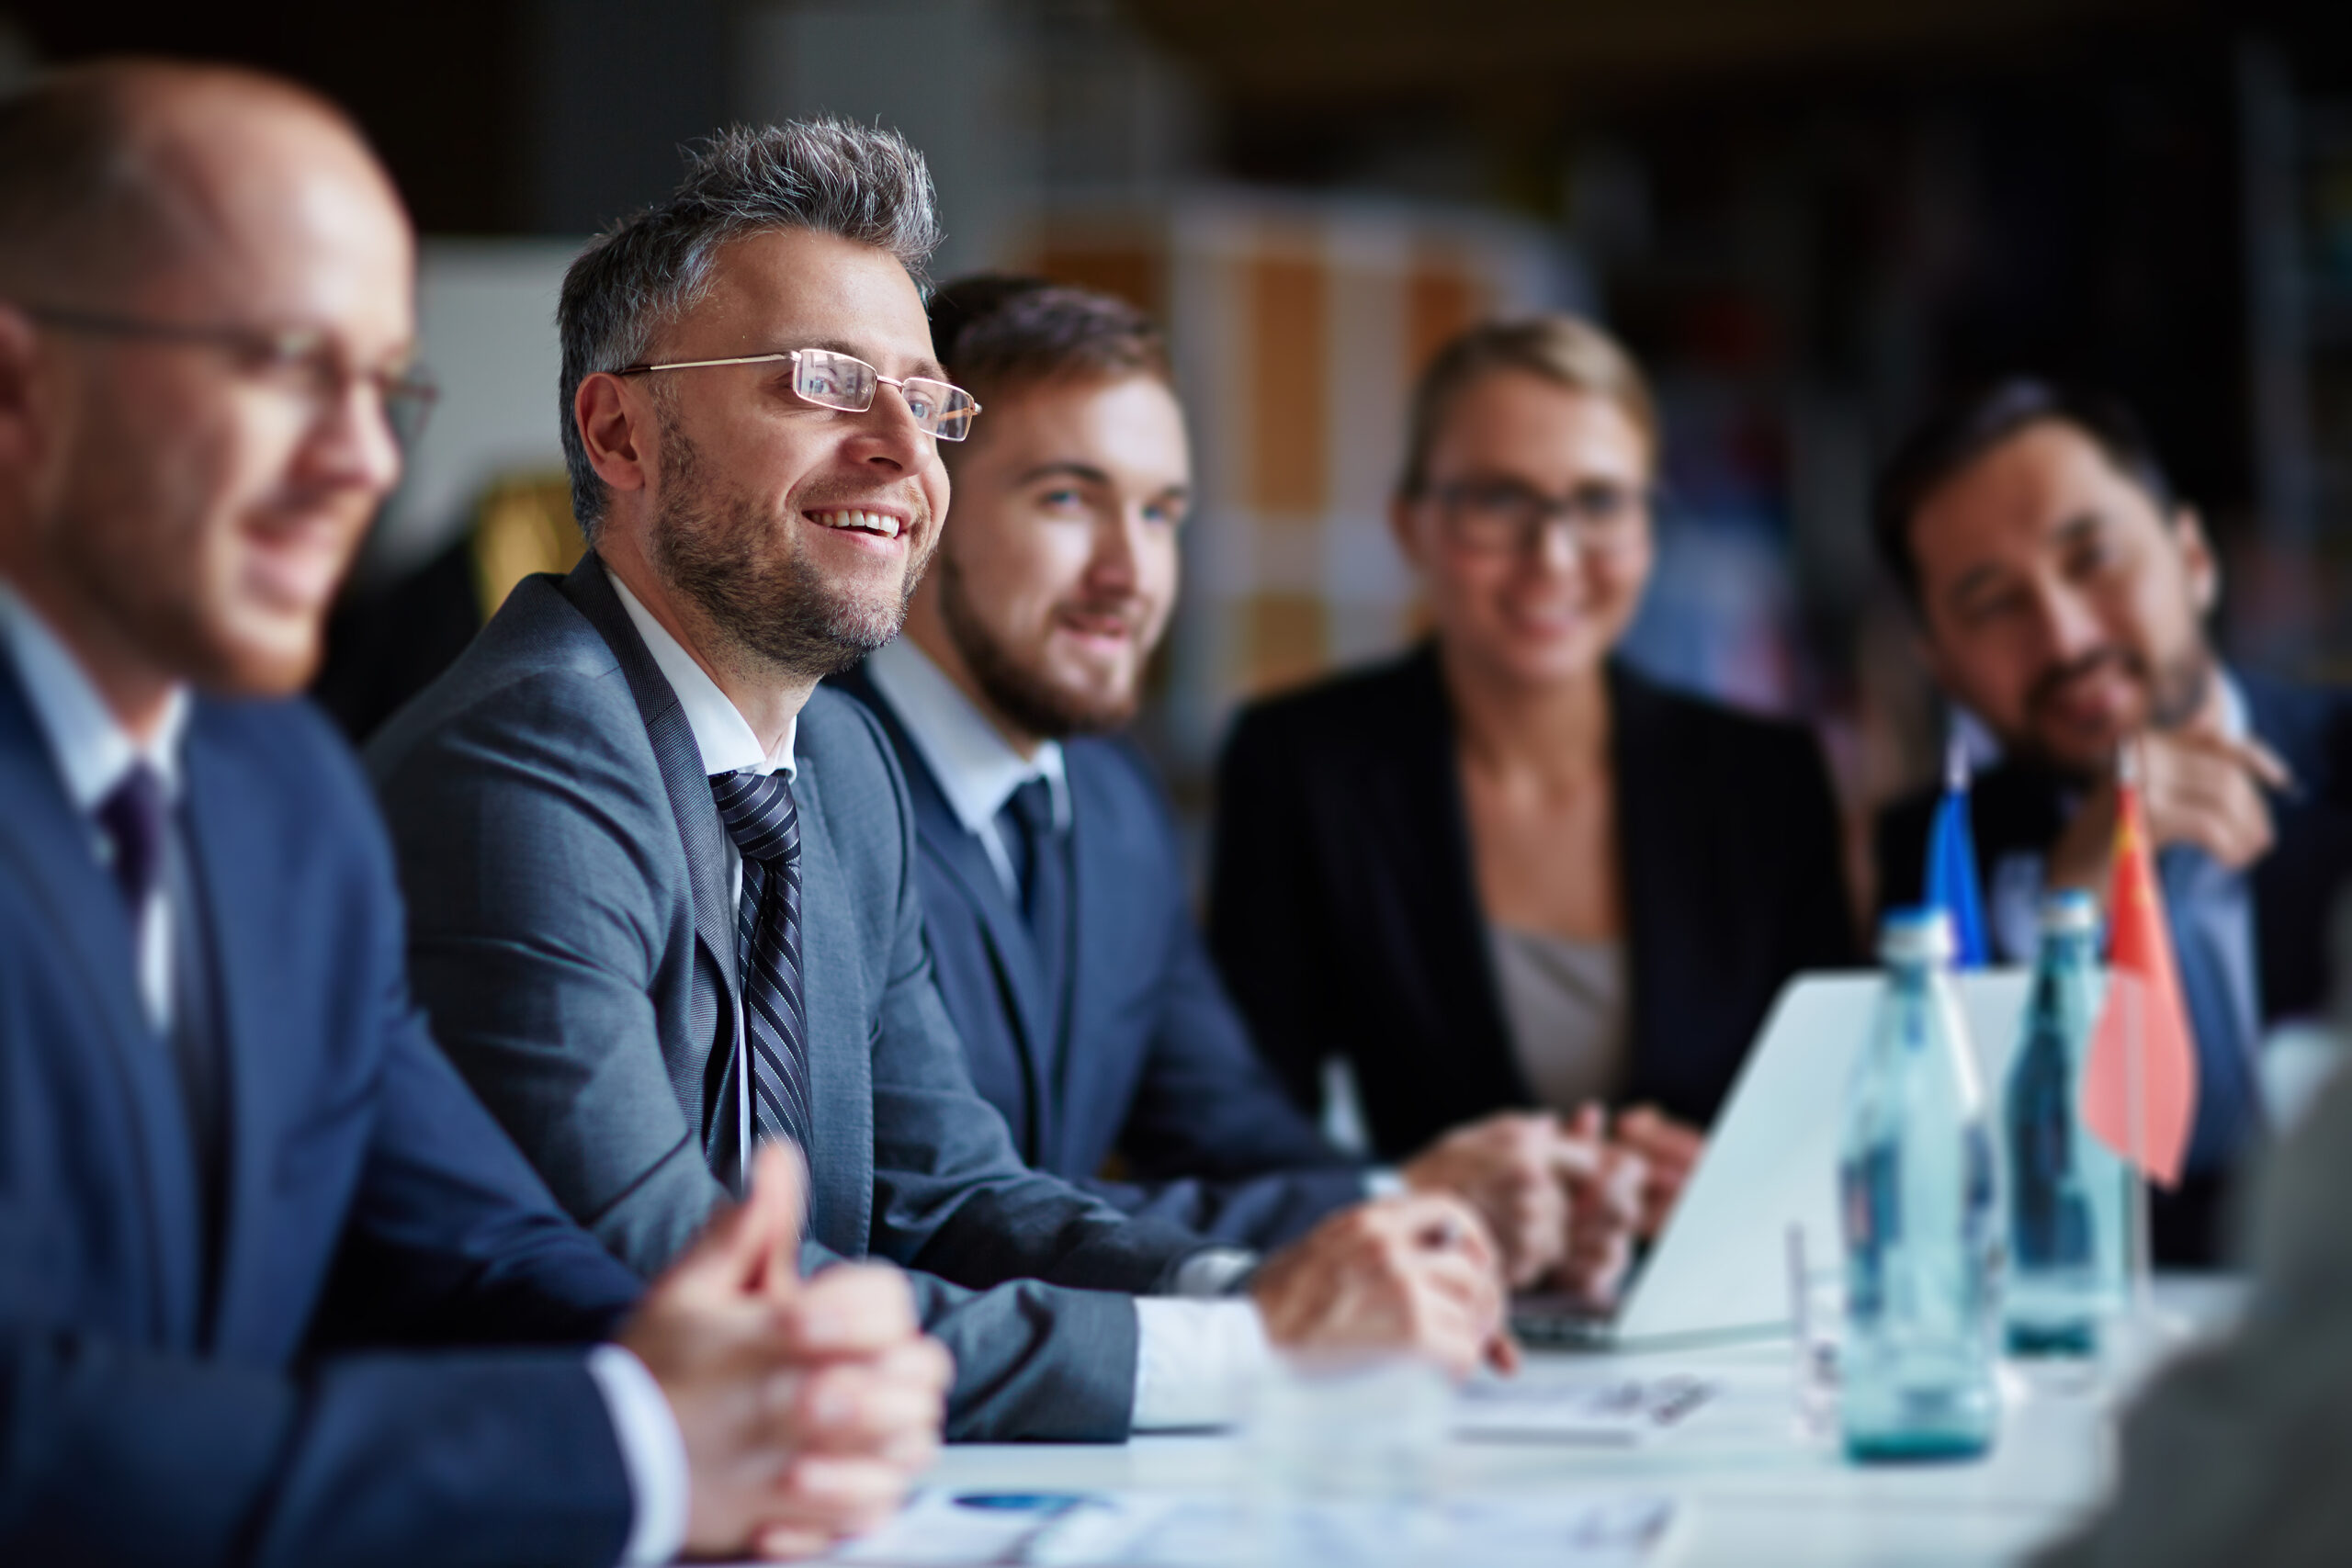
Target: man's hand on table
x,y
1415,1274
806,1406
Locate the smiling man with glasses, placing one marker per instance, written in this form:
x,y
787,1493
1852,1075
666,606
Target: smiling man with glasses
x,y
662,888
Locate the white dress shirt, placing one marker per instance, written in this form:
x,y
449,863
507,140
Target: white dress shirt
x,y
1198,1349
94,753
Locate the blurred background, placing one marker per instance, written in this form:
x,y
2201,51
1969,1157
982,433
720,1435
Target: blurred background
x,y
1808,218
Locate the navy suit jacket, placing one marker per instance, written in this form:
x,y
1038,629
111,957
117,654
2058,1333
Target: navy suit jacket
x,y
1345,915
277,1408
1144,1053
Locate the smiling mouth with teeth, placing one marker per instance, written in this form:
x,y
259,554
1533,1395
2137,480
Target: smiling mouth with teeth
x,y
881,525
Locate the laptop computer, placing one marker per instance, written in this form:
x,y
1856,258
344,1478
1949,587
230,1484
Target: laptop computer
x,y
1720,1270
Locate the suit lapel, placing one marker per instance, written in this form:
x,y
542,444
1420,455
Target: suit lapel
x,y
1012,953
1101,924
53,843
841,1064
231,849
1423,821
700,834
1652,844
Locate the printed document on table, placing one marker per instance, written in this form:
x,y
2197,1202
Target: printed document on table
x,y
1610,1411
1136,1530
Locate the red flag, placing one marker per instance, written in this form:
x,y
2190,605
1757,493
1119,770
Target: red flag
x,y
2143,1001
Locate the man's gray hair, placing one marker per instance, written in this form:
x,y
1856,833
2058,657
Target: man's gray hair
x,y
830,175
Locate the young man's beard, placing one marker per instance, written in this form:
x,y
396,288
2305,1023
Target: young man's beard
x,y
745,572
1030,700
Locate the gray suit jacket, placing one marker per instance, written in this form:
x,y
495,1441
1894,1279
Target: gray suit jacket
x,y
571,935
2241,1452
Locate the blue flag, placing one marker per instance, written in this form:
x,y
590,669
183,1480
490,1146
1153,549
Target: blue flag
x,y
1951,867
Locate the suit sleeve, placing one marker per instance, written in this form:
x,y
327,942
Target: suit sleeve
x,y
132,1452
1264,918
1214,1143
528,858
126,1454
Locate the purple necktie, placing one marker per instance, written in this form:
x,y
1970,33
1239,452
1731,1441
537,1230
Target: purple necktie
x,y
133,819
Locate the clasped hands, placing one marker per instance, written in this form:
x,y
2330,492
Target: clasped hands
x,y
807,1406
1515,1201
1565,1198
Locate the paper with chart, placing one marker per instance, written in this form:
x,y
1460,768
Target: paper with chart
x,y
1584,1408
1135,1530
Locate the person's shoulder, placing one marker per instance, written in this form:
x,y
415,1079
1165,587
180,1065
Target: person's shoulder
x,y
1694,724
539,667
1368,709
843,744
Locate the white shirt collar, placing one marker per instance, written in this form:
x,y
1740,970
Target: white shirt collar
x,y
92,749
977,769
722,734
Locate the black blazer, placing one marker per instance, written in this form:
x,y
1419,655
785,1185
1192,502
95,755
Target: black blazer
x,y
1345,914
1142,1050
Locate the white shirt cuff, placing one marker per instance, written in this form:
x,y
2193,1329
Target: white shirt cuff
x,y
653,1452
1384,1181
1194,1360
1212,1272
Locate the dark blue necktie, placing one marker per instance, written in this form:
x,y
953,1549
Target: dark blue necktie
x,y
133,819
760,818
136,818
1037,848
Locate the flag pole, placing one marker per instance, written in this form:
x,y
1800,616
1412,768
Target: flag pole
x,y
2144,1295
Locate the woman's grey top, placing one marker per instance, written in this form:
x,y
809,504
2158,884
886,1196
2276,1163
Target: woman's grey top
x,y
1563,1006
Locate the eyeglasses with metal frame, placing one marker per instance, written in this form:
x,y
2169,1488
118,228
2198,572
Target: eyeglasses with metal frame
x,y
304,361
846,383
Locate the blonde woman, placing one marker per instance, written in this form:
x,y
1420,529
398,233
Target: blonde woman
x,y
1504,869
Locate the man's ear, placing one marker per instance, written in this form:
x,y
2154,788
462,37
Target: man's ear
x,y
616,428
22,419
2198,560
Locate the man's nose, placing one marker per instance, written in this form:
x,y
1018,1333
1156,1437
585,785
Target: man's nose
x,y
2069,624
1117,542
890,433
353,442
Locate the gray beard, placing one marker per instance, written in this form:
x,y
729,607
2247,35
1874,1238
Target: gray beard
x,y
769,606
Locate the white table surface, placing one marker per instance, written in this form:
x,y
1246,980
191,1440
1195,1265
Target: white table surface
x,y
1751,1489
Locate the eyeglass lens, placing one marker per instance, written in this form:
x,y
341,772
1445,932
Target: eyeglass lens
x,y
839,381
1599,513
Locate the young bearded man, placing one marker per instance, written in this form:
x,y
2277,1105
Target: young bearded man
x,y
662,888
1054,890
2062,587
274,1288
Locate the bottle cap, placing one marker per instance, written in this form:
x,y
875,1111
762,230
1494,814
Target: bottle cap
x,y
1917,936
2067,911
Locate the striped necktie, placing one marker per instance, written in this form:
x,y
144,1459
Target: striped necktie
x,y
760,818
